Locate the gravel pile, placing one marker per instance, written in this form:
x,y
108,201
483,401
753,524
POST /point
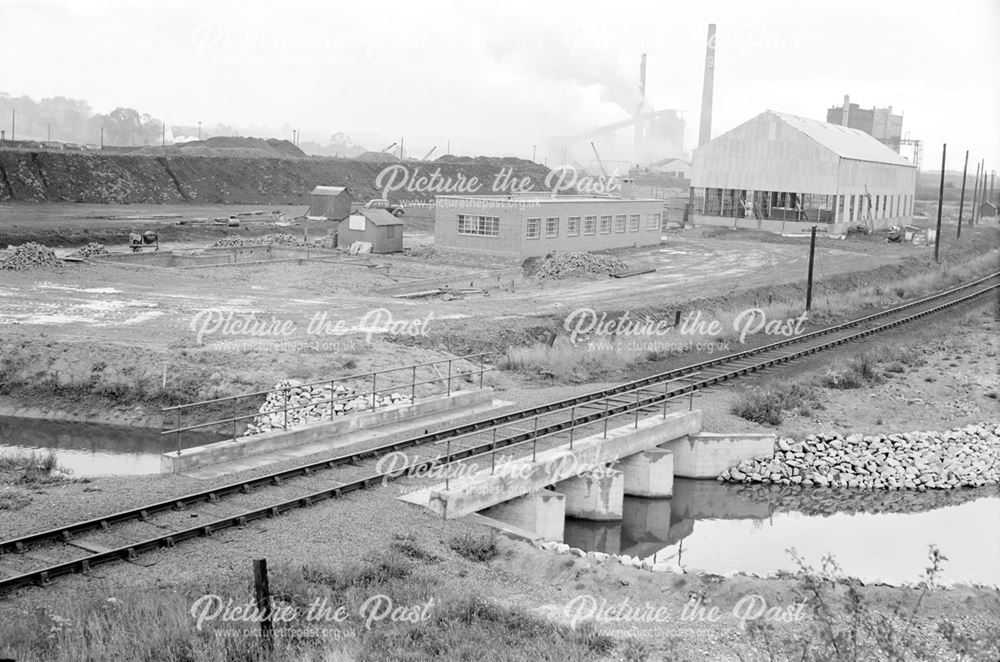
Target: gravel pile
x,y
92,249
315,405
561,265
30,256
280,239
962,457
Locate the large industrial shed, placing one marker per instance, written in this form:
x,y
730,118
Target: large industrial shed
x,y
375,226
330,202
779,172
534,225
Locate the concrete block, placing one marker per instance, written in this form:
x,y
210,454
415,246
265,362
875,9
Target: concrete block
x,y
595,495
227,451
708,454
649,473
542,512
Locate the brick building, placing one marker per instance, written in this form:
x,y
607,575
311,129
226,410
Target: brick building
x,y
534,225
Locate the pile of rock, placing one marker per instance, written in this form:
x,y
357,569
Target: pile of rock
x,y
30,256
92,249
561,265
279,239
962,457
312,403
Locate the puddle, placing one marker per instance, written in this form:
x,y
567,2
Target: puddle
x,y
877,537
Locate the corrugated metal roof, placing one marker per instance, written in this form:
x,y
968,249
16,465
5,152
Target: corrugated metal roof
x,y
328,190
379,216
844,141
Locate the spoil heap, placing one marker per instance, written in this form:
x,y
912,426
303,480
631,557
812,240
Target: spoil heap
x,y
962,457
562,265
280,239
313,404
92,249
30,256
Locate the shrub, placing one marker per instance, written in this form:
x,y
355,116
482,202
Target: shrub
x,y
767,405
475,548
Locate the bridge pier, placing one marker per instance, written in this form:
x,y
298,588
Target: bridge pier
x,y
708,454
595,495
649,473
543,512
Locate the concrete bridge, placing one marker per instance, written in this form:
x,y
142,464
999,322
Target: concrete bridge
x,y
589,479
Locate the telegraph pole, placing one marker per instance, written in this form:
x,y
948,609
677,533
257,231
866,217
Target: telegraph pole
x,y
809,283
49,132
937,235
975,197
12,138
199,130
961,200
534,149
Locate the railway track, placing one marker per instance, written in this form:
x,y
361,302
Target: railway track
x,y
39,558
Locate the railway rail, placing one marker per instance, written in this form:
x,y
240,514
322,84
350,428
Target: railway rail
x,y
41,557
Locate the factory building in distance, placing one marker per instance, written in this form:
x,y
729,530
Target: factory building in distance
x,y
783,173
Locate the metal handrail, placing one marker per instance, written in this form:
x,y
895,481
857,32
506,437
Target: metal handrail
x,y
371,393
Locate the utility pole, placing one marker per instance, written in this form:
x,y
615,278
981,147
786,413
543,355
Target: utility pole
x,y
982,195
401,148
49,131
199,130
961,200
975,197
102,137
449,146
534,149
163,129
812,256
937,235
12,138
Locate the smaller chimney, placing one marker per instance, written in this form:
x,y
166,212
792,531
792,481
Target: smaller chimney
x,y
628,188
845,112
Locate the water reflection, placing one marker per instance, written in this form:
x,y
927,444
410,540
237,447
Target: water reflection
x,y
876,536
91,449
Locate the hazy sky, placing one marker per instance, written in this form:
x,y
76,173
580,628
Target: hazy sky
x,y
502,76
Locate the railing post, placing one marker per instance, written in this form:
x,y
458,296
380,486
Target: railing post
x,y
178,430
332,398
413,386
534,442
482,368
665,399
493,453
234,419
605,418
285,393
449,377
572,425
637,409
373,390
447,463
691,400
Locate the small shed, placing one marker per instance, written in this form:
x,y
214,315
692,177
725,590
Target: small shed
x,y
331,202
376,226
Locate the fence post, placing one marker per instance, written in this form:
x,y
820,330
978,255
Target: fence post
x,y
284,392
178,430
534,442
234,419
333,396
413,385
482,368
493,453
373,390
665,399
605,418
447,463
691,400
572,425
449,377
637,409
262,595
